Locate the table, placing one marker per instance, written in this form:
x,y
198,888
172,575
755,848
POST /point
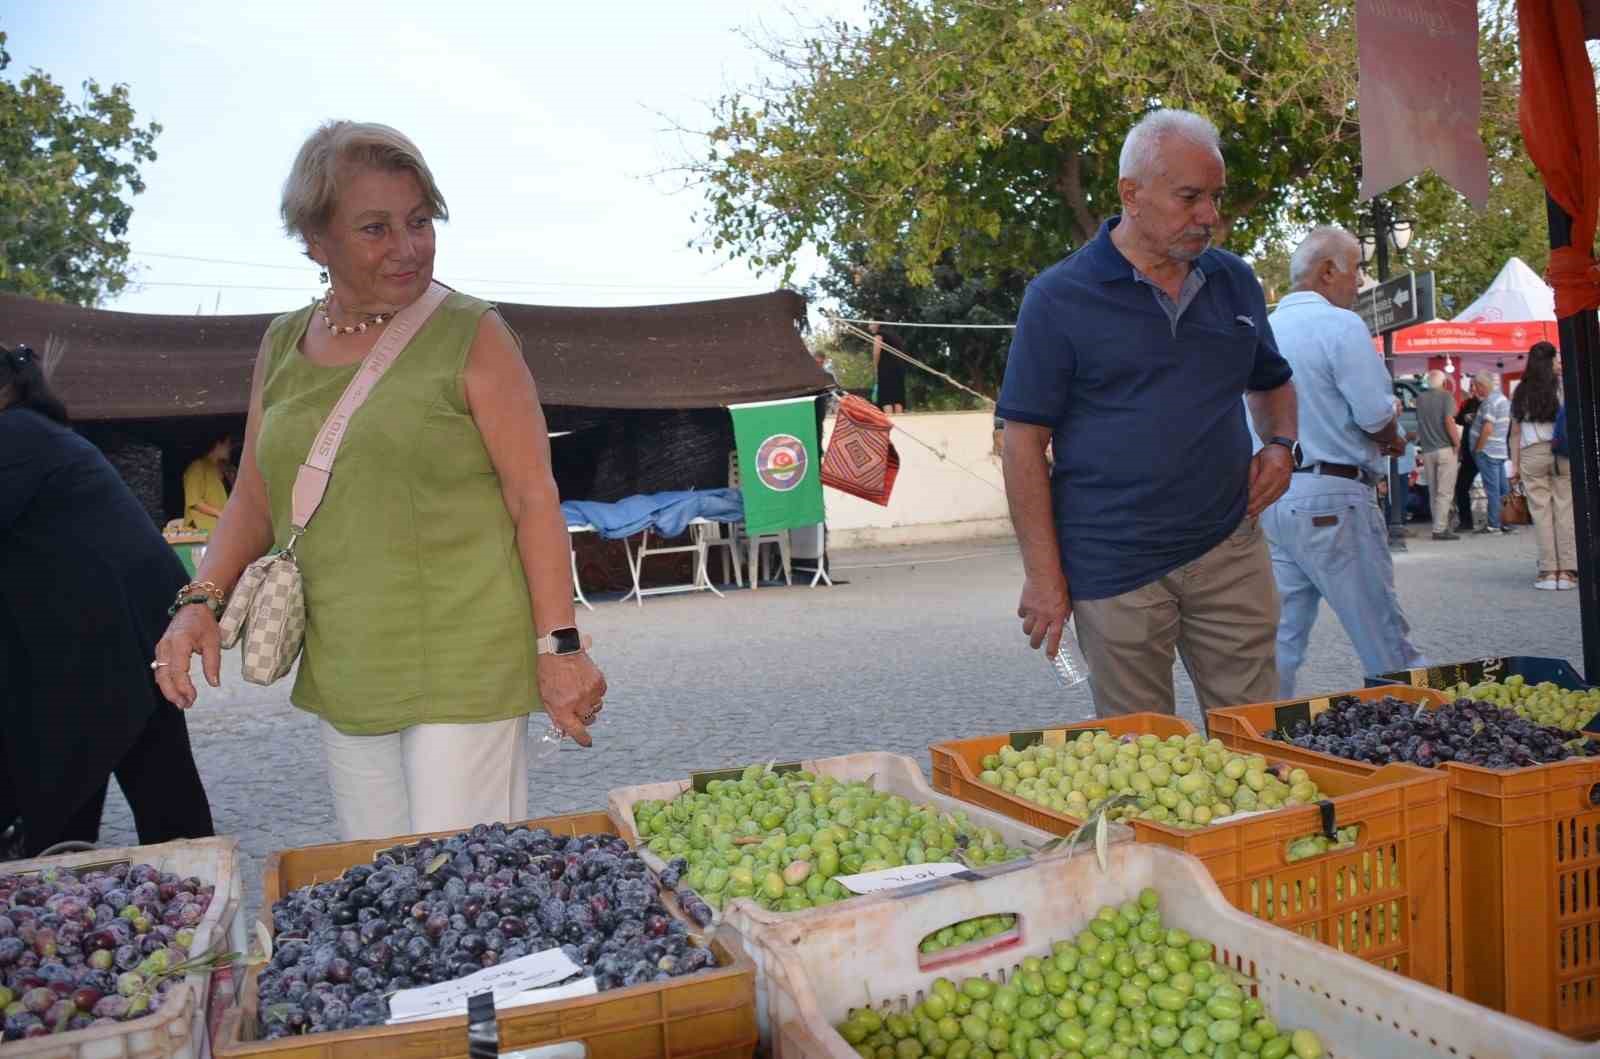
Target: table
x,y
698,545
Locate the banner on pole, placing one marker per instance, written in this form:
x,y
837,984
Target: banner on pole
x,y
778,464
1420,95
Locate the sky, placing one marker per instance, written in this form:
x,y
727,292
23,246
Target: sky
x,y
543,123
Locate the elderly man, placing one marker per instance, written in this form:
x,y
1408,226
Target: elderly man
x,y
1490,431
1437,438
1328,536
1132,355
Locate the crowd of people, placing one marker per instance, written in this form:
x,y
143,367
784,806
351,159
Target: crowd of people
x,y
1514,444
1214,527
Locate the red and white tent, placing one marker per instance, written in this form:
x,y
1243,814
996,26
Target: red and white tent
x,y
1493,333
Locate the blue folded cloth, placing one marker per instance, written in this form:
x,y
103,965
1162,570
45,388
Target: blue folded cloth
x,y
667,514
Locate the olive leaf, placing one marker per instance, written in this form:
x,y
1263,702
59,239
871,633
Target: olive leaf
x,y
438,862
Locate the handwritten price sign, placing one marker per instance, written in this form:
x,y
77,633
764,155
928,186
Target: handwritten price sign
x,y
872,882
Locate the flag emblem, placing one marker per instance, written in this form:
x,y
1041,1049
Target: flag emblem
x,y
781,462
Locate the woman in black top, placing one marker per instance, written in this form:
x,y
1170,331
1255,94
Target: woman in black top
x,y
890,393
85,581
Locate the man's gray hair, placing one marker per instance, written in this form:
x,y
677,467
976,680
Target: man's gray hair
x,y
1142,148
1484,379
1327,243
1435,379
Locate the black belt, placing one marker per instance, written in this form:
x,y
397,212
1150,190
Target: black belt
x,y
1337,470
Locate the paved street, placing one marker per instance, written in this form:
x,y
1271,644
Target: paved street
x,y
920,645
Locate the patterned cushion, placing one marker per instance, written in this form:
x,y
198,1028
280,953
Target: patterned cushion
x,y
861,460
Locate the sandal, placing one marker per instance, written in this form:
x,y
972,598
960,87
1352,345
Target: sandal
x,y
1566,579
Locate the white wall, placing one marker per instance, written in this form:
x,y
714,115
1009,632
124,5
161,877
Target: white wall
x,y
961,496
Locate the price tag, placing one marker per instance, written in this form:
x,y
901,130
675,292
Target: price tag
x,y
872,882
1286,717
507,981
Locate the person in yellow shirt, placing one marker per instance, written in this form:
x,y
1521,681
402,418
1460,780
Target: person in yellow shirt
x,y
205,489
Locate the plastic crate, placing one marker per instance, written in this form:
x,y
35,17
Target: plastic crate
x,y
707,1015
866,957
1524,873
894,773
1248,728
1382,899
1532,669
177,1029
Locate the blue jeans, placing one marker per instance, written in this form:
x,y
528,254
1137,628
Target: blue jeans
x,y
1495,484
1329,541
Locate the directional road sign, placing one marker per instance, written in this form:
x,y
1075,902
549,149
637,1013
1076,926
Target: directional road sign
x,y
1399,302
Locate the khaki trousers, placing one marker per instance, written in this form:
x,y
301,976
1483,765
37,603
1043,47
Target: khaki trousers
x,y
1220,612
1442,466
1547,479
429,777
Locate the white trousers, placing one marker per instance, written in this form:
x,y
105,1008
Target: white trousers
x,y
429,777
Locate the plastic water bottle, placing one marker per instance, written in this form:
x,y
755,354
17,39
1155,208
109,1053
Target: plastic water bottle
x,y
1068,663
549,740
546,744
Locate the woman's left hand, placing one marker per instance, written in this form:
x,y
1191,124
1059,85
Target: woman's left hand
x,y
572,688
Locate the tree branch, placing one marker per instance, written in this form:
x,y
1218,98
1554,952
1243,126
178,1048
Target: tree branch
x,y
1069,182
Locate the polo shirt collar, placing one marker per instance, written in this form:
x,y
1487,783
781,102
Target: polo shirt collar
x,y
1106,262
1303,297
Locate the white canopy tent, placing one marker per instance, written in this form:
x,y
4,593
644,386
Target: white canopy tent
x,y
1493,333
1517,295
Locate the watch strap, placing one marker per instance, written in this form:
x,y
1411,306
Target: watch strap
x,y
546,645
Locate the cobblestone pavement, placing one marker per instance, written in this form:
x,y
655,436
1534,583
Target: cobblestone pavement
x,y
920,645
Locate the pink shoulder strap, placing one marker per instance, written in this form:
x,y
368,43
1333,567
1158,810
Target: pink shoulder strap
x,y
311,482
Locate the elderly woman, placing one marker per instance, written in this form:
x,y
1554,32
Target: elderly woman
x,y
438,598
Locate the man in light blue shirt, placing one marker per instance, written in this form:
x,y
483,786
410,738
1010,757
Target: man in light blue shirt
x,y
1328,536
1490,431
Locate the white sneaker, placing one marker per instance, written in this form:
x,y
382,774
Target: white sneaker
x,y
1547,582
1565,583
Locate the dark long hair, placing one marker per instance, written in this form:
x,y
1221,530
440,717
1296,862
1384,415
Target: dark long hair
x,y
22,374
1538,396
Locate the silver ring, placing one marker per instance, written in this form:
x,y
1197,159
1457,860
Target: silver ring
x,y
158,664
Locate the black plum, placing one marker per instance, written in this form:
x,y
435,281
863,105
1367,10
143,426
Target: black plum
x,y
1467,731
443,909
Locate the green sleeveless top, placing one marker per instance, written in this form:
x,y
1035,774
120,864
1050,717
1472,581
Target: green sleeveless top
x,y
417,607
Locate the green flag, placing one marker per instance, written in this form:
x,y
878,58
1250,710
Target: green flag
x,y
779,465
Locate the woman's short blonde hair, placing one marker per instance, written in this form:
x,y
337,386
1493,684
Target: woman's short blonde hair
x,y
312,189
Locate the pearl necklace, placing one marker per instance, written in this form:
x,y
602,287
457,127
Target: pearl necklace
x,y
354,329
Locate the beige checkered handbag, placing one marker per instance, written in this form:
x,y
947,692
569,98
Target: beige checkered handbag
x,y
267,611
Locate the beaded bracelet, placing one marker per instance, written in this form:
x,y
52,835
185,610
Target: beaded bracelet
x,y
183,601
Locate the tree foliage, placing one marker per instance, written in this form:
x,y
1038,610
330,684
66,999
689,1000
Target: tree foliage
x,y
67,171
981,136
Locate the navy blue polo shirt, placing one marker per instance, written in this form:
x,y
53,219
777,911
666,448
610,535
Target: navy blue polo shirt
x,y
1152,451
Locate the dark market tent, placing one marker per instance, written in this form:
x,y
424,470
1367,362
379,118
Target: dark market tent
x,y
642,388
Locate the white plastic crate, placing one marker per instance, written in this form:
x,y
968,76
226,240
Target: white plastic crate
x,y
894,773
867,957
177,1030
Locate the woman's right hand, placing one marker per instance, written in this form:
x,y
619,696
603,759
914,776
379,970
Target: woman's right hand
x,y
193,631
